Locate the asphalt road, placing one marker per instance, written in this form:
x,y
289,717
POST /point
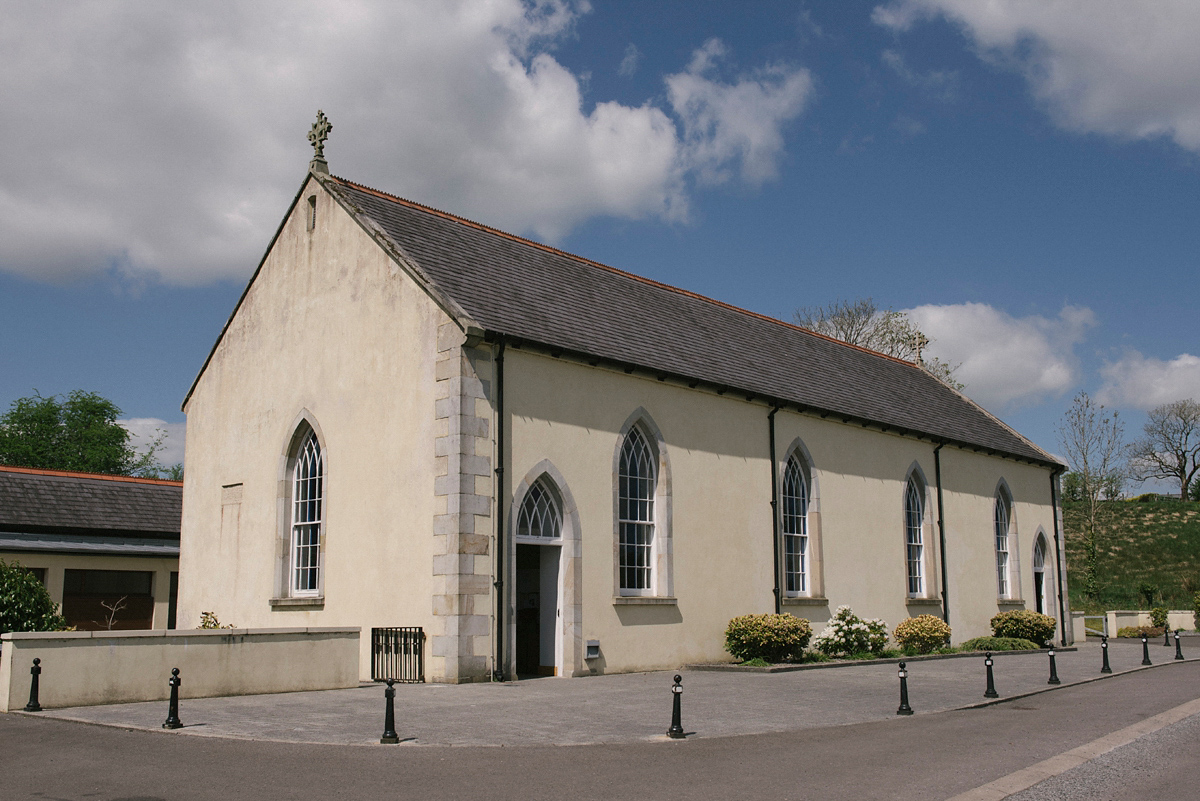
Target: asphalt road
x,y
932,756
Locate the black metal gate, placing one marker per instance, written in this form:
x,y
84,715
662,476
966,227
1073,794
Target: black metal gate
x,y
398,653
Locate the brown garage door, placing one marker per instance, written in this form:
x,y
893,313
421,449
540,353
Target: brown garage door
x,y
97,600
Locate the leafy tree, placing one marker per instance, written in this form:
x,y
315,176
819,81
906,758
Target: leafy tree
x,y
24,603
78,432
1093,442
1195,492
1170,445
887,331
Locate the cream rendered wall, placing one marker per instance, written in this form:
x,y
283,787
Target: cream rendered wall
x,y
56,563
971,482
718,453
331,329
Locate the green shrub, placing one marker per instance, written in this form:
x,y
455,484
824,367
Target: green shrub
x,y
846,633
1024,625
1158,617
209,621
1149,592
1137,631
24,603
998,644
1196,613
773,638
756,662
922,634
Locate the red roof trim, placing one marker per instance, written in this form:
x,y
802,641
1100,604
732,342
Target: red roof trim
x,y
37,471
598,265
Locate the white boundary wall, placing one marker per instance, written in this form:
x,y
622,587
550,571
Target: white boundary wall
x,y
85,668
1121,618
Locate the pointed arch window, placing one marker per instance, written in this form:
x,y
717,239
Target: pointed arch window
x,y
540,516
308,498
1000,518
795,528
1039,576
637,483
914,523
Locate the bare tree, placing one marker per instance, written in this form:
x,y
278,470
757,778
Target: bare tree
x,y
113,608
863,323
1093,442
1170,446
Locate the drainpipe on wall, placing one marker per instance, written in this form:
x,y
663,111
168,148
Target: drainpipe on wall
x,y
499,663
1062,608
774,507
937,475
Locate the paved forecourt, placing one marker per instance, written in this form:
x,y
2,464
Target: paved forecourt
x,y
619,708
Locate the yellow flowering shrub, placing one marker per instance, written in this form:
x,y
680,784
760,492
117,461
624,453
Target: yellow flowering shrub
x,y
773,638
1024,624
923,634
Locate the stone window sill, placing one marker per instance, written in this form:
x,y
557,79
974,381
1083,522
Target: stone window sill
x,y
643,600
298,603
924,601
803,600
1010,602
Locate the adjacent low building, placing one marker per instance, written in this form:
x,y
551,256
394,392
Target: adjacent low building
x,y
106,547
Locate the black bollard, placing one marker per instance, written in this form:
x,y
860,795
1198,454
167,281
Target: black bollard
x,y
389,715
904,709
1104,650
1166,636
676,730
172,721
1145,650
1053,670
1178,650
990,692
35,671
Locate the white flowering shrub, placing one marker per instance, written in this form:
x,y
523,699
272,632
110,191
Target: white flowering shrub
x,y
847,633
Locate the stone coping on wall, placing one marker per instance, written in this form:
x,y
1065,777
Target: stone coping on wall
x,y
837,663
106,635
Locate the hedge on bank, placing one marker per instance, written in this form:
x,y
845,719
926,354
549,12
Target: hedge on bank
x,y
1025,625
771,638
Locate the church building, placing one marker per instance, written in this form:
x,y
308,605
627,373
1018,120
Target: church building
x,y
556,467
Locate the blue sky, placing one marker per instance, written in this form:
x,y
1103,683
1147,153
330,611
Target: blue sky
x,y
1022,176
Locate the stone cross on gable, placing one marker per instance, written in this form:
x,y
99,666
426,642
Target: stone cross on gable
x,y
317,135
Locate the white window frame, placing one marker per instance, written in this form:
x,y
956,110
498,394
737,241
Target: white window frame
x,y
797,558
1002,526
307,529
540,512
914,539
637,513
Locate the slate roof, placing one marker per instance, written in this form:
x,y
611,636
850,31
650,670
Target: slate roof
x,y
56,502
520,289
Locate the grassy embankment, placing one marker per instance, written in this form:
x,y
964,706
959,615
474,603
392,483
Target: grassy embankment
x,y
1143,543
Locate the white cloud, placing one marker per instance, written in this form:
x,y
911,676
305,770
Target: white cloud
x,y
735,124
143,431
1117,67
165,139
1006,361
941,84
1142,382
629,63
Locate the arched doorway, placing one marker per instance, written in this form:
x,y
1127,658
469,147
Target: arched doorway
x,y
539,578
1041,587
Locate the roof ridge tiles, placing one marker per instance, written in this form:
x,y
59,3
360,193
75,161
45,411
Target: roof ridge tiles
x,y
39,471
617,271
